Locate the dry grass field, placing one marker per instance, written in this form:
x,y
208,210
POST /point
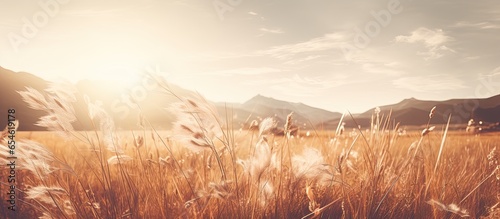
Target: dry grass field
x,y
205,168
330,177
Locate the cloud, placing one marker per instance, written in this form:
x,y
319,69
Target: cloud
x,y
256,15
433,40
430,38
430,83
478,25
319,44
275,31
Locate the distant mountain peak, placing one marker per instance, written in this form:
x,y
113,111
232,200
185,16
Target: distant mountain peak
x,y
411,99
259,98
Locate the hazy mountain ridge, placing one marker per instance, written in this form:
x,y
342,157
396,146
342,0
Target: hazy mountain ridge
x,y
9,85
154,105
125,114
260,107
414,112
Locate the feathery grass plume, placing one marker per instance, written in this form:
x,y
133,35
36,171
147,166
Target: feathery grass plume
x,y
58,104
267,125
311,166
31,150
288,125
64,90
62,108
106,125
33,157
46,195
60,100
198,123
119,159
256,165
34,99
54,123
453,208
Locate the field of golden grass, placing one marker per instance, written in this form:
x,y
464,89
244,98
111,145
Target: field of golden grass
x,y
376,174
204,167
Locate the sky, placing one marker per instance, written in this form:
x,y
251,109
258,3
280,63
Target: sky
x,y
333,54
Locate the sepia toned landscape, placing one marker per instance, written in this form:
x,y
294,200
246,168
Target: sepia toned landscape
x,y
208,165
249,109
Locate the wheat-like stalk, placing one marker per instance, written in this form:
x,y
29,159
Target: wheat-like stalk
x,y
313,204
288,125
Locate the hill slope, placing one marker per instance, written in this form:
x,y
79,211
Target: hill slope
x,y
154,102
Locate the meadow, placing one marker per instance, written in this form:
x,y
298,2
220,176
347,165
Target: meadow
x,y
206,168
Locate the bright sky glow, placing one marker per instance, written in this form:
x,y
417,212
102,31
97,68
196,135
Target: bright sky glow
x,y
332,54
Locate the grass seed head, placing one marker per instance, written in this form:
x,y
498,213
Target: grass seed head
x,y
453,208
119,159
428,130
431,113
267,125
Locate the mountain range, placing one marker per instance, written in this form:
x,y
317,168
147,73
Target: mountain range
x,y
154,104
